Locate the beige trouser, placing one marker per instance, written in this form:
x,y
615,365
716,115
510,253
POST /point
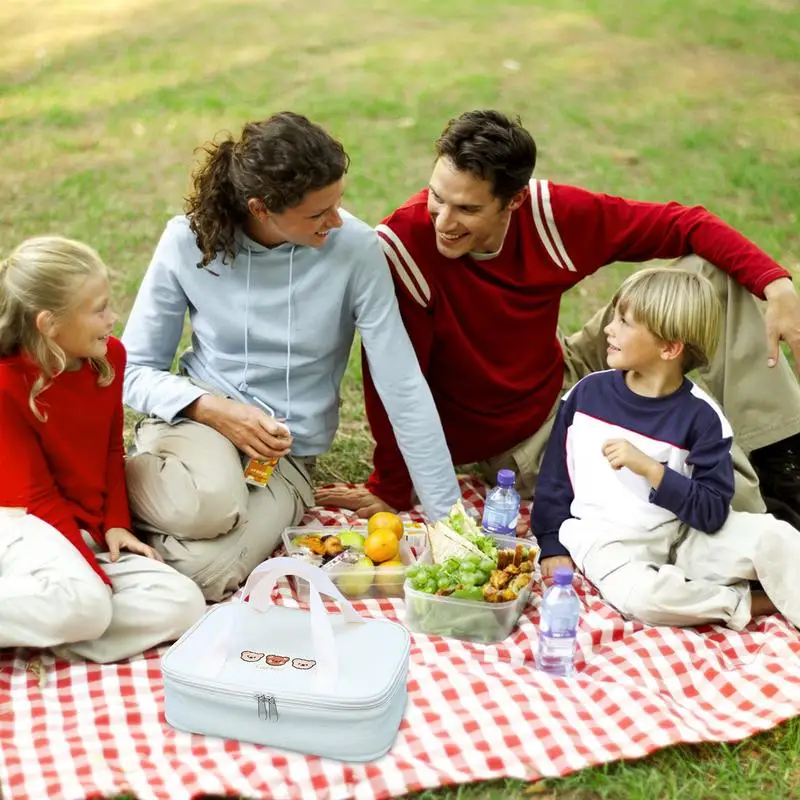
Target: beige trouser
x,y
644,574
51,597
761,403
186,487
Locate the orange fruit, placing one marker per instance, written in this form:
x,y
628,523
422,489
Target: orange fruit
x,y
381,545
385,519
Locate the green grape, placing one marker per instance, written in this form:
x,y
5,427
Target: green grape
x,y
481,577
468,579
472,558
444,582
412,571
452,564
486,565
468,566
430,587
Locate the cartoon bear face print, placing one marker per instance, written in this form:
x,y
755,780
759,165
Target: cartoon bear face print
x,y
276,661
250,656
302,663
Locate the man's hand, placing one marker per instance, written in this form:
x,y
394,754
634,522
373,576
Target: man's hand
x,y
122,539
357,499
253,431
782,319
621,453
548,565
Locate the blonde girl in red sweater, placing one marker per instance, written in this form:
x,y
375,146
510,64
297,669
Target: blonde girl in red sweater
x,y
72,574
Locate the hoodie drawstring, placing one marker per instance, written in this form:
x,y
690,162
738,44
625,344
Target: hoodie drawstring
x,y
243,386
289,337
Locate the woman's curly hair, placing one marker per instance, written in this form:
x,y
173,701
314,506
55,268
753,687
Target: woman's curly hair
x,y
278,160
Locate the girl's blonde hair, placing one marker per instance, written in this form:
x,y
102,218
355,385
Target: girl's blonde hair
x,y
45,273
675,306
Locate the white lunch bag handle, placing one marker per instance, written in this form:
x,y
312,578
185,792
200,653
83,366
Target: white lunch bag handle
x,y
258,593
267,574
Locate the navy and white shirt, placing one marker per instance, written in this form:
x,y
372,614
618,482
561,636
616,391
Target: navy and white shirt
x,y
685,431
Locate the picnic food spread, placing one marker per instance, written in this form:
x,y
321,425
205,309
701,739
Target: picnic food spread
x,y
457,580
369,562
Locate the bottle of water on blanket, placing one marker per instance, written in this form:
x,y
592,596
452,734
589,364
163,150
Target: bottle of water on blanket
x,y
501,510
558,624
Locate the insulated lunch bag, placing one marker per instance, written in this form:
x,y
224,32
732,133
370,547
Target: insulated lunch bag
x,y
324,684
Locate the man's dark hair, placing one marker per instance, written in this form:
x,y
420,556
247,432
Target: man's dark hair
x,y
492,147
279,160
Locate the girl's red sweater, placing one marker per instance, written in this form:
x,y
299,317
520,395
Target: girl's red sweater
x,y
69,471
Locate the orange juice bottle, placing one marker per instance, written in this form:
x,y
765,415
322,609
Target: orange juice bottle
x,y
257,472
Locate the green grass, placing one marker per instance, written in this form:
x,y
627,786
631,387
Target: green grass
x,y
102,105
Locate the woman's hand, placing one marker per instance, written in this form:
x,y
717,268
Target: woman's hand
x,y
252,430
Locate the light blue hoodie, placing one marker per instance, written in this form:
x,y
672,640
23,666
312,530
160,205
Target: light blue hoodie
x,y
276,325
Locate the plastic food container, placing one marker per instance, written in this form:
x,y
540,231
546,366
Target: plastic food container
x,y
468,620
354,582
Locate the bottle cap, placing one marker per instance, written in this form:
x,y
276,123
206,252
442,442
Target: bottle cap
x,y
506,477
562,576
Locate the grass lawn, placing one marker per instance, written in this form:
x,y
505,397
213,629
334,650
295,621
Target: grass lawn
x,y
102,103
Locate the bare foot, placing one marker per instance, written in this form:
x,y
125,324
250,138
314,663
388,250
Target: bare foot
x,y
761,605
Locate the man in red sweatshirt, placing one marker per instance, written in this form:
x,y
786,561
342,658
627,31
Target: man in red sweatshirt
x,y
480,260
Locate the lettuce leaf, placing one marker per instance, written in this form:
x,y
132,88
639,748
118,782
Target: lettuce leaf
x,y
463,524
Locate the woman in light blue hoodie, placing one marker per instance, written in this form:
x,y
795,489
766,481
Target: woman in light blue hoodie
x,y
275,278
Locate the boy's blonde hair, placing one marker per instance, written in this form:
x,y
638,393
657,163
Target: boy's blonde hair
x,y
45,273
675,306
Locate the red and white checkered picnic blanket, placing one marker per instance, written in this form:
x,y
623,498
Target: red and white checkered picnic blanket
x,y
475,712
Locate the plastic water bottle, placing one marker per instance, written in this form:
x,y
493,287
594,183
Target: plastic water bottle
x,y
502,506
558,623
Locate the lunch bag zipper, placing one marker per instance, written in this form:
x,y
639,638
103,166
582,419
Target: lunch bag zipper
x,y
267,705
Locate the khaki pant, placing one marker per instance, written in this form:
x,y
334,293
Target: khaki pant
x,y
51,597
644,573
761,403
186,487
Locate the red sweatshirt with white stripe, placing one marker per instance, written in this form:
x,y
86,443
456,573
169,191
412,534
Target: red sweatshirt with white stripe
x,y
484,330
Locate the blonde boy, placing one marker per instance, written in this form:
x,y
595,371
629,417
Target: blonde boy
x,y
637,479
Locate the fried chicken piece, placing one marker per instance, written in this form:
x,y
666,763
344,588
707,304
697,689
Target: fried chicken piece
x,y
526,566
504,558
489,593
511,569
520,582
499,579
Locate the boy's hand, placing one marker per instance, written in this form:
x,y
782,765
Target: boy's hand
x,y
621,453
548,565
122,539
